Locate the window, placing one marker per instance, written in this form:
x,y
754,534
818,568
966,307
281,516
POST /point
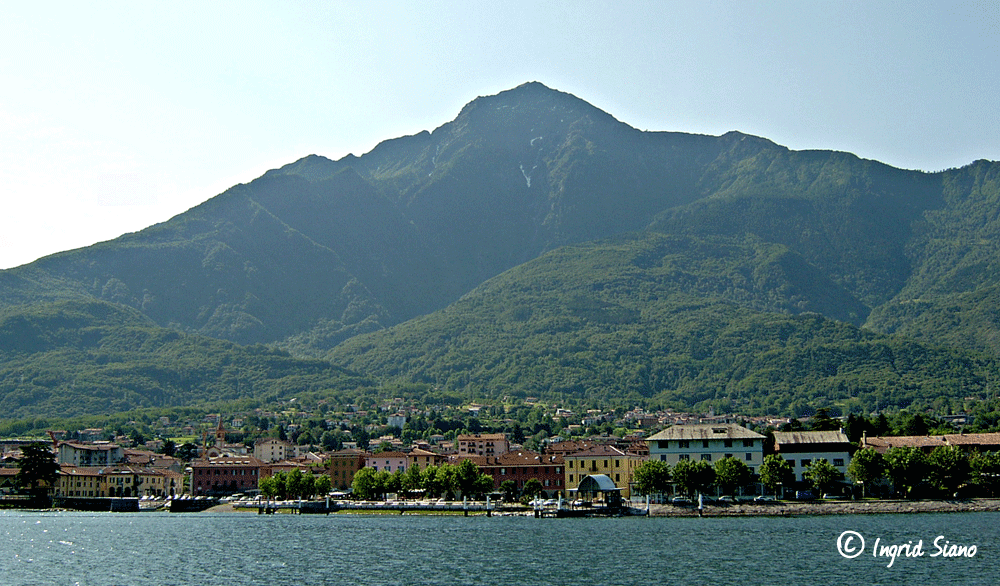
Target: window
x,y
663,457
706,457
805,463
684,444
748,443
704,443
503,472
792,462
838,461
571,478
618,478
728,456
728,443
662,444
684,457
749,456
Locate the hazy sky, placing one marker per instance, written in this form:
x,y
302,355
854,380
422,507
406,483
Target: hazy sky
x,y
118,115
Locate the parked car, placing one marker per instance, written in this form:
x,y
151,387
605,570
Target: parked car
x,y
804,495
679,500
726,499
764,498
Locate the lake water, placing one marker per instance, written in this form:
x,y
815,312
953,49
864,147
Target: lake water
x,y
104,549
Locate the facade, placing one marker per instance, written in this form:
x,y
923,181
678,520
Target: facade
x,y
225,475
387,461
709,442
89,454
483,444
79,481
522,466
424,459
801,448
608,460
344,464
273,450
981,442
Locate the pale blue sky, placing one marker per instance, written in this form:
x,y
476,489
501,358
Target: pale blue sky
x,y
118,115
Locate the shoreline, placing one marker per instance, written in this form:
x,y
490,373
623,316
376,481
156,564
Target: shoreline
x,y
819,507
770,509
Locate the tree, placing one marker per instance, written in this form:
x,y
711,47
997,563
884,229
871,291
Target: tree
x,y
322,484
985,468
187,452
470,480
907,467
949,468
821,474
532,487
412,479
731,473
866,467
268,487
365,485
37,465
169,448
693,477
509,490
652,477
776,472
295,484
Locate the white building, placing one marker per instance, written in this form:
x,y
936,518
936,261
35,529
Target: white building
x,y
802,448
708,442
273,450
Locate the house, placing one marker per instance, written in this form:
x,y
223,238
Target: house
x,y
802,448
482,444
613,462
521,466
980,442
709,442
424,459
89,454
80,481
272,449
225,475
387,461
344,464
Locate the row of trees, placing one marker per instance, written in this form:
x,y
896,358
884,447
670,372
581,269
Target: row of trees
x,y
294,484
946,470
434,481
691,477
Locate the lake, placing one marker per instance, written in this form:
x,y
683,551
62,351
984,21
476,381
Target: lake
x,y
103,549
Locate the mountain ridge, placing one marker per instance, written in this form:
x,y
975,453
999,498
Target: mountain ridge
x,y
317,252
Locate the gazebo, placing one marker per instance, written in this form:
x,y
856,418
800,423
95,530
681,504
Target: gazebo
x,y
594,486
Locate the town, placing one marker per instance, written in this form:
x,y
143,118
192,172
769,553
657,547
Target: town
x,y
398,451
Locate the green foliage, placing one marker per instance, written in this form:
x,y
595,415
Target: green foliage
x,y
949,468
908,467
821,474
76,358
731,473
866,466
985,467
36,468
693,477
775,472
652,477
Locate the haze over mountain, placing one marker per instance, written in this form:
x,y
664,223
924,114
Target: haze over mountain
x,y
565,229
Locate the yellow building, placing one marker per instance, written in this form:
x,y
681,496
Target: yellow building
x,y
607,460
79,481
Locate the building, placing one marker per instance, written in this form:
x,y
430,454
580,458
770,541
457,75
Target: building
x,y
225,475
79,481
344,464
802,448
272,449
708,442
387,461
522,466
89,454
601,459
483,444
424,459
979,442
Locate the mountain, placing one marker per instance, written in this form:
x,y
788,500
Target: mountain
x,y
349,260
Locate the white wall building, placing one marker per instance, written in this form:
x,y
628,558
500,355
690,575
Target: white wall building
x,y
709,442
